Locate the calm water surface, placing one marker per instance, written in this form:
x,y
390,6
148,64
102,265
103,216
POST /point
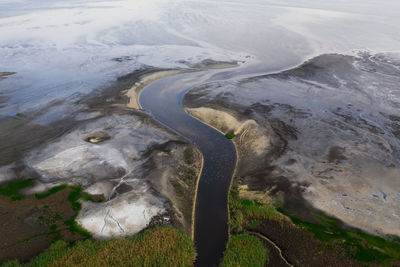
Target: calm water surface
x,y
163,99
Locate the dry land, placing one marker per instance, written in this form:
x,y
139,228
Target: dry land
x,y
320,142
145,173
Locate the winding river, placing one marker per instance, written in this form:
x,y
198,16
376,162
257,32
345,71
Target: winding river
x,y
163,99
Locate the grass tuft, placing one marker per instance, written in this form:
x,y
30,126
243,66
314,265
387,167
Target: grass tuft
x,y
255,209
162,246
230,135
245,250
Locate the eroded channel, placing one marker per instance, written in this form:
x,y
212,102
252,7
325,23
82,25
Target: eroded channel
x,y
163,99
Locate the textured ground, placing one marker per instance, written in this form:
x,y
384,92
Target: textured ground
x,y
146,173
326,131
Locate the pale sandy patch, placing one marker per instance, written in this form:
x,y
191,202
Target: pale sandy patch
x,y
248,133
134,92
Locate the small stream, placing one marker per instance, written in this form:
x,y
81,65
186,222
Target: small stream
x,y
163,99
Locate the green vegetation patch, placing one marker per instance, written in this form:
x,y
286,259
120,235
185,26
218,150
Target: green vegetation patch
x,y
74,197
230,135
12,189
236,221
188,156
359,245
244,212
245,250
50,192
256,210
162,246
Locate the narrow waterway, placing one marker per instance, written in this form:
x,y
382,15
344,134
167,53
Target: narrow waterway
x,y
163,99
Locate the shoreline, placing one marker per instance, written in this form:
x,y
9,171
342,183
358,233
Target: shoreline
x,y
236,162
134,95
195,197
145,80
229,176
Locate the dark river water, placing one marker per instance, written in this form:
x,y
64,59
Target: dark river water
x,y
163,99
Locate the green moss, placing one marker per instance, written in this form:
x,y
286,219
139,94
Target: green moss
x,y
50,192
230,135
162,246
74,196
74,227
245,250
12,189
57,217
359,245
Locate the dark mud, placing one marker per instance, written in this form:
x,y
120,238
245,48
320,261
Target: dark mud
x,y
300,247
30,225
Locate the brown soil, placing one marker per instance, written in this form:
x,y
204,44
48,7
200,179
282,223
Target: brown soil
x,y
28,226
274,259
300,247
